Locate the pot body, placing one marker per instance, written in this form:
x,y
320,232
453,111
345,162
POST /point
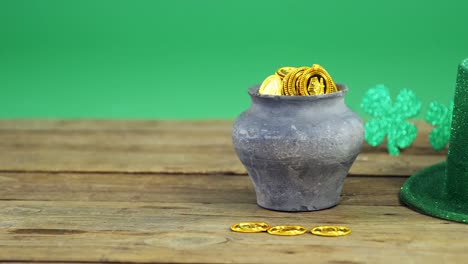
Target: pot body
x,y
298,149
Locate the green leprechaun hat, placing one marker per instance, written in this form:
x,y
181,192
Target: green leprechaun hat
x,y
441,190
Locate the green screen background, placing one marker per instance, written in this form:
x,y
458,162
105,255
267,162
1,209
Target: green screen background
x,y
196,59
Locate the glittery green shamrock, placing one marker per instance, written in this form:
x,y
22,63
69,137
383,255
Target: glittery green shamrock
x,y
389,119
439,116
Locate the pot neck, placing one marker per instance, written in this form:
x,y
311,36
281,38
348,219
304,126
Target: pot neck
x,y
321,103
291,106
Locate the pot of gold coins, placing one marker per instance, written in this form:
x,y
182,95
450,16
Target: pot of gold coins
x,y
298,139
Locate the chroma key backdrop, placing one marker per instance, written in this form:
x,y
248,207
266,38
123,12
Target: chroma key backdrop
x,y
196,59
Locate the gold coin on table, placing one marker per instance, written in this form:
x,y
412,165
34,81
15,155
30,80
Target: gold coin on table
x,y
272,85
291,81
250,227
287,230
330,231
315,81
283,71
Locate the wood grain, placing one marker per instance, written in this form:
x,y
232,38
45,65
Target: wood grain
x,y
198,233
180,222
170,188
180,147
92,191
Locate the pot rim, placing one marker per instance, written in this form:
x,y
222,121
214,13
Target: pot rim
x,y
342,90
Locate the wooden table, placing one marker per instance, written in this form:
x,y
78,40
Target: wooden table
x,y
167,192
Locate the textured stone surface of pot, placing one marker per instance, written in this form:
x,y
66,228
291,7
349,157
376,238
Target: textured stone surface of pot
x,y
298,149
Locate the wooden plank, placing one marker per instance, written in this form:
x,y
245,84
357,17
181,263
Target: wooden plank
x,y
220,127
184,147
381,164
74,217
114,125
199,233
174,189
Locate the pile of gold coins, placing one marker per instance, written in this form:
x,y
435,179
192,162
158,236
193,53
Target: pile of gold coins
x,y
302,81
285,230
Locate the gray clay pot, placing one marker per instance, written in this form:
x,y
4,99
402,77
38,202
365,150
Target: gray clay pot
x,y
298,149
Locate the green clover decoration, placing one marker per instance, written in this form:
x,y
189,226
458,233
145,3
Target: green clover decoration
x,y
389,119
439,116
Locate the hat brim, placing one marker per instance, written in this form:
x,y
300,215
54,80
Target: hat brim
x,y
425,192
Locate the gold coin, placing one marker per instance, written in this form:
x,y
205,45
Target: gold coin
x,y
315,81
332,86
250,227
272,85
331,231
287,230
283,71
284,88
291,81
